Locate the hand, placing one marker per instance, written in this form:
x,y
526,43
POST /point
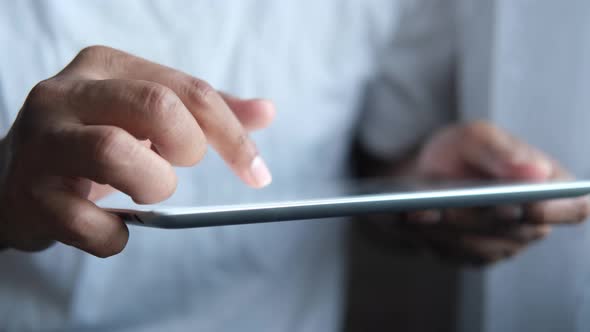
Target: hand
x,y
482,235
112,120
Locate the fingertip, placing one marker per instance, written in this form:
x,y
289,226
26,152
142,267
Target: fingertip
x,y
267,106
116,239
259,175
161,191
265,111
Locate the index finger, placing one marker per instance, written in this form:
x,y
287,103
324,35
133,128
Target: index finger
x,y
220,125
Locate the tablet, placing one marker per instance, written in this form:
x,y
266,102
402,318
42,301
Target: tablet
x,y
353,199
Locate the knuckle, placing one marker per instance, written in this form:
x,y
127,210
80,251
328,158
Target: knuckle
x,y
241,141
91,56
40,88
199,91
32,120
479,130
243,150
42,93
159,101
92,52
161,106
108,146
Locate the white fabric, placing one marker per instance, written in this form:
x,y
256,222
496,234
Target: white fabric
x,y
520,63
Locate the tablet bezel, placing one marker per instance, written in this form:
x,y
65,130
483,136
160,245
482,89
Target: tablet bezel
x,y
224,215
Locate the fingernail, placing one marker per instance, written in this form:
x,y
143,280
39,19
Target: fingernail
x,y
260,173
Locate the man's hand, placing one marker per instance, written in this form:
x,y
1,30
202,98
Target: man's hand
x,y
113,120
482,235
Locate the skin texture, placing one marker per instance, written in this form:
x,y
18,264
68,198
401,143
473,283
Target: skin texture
x,y
483,235
112,121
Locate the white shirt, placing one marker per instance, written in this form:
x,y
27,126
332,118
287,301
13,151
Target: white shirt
x,y
519,63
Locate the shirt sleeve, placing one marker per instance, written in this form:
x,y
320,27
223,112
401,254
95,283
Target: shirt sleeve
x,y
413,91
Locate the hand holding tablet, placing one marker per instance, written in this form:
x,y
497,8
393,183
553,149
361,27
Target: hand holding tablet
x,y
479,150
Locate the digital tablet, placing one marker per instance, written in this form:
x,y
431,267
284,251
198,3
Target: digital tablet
x,y
353,199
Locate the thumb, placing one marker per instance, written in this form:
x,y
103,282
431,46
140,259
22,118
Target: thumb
x,y
254,114
496,153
